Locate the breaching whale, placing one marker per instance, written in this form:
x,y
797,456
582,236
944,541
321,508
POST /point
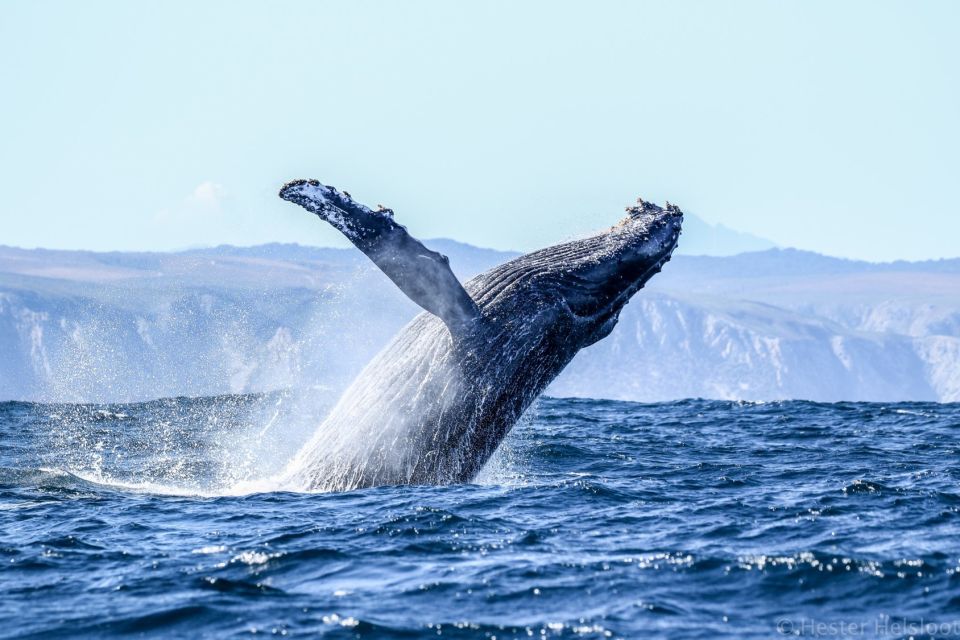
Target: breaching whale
x,y
434,404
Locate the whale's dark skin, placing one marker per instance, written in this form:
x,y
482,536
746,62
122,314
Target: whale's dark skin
x,y
434,405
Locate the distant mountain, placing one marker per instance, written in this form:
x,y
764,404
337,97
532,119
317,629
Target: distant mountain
x,y
701,238
773,324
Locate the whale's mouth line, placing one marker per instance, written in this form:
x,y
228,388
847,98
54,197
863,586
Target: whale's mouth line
x,y
613,306
640,282
667,246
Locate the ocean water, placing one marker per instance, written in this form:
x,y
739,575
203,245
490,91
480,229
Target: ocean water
x,y
597,519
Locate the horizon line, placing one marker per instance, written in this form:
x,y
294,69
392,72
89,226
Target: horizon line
x,y
199,248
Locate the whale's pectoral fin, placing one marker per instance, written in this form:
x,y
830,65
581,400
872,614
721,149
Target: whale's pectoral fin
x,y
422,274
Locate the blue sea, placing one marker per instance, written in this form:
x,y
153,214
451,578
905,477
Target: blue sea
x,y
597,519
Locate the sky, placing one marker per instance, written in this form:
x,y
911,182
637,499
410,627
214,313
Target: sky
x,y
822,125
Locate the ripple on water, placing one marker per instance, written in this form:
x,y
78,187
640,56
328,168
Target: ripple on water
x,y
598,519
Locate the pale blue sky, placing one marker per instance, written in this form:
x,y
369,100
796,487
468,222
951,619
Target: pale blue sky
x,y
830,126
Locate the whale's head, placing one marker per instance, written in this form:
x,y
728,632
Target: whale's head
x,y
585,283
598,275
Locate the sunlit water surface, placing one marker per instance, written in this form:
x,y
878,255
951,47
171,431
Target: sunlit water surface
x,y
596,519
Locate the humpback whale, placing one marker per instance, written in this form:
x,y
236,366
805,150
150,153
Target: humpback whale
x,y
434,404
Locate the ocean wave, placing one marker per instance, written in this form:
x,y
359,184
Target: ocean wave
x,y
598,519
